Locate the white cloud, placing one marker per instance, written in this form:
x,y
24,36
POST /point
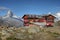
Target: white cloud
x,y
4,8
58,15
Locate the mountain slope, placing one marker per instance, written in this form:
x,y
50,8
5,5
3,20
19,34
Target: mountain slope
x,y
11,20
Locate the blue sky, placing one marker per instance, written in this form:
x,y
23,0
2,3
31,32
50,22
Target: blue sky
x,y
21,7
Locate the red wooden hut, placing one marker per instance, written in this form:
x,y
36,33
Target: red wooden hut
x,y
48,19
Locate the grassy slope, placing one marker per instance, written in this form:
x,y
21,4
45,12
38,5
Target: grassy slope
x,y
31,33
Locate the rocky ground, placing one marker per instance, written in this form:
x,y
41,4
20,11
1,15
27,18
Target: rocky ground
x,y
30,33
